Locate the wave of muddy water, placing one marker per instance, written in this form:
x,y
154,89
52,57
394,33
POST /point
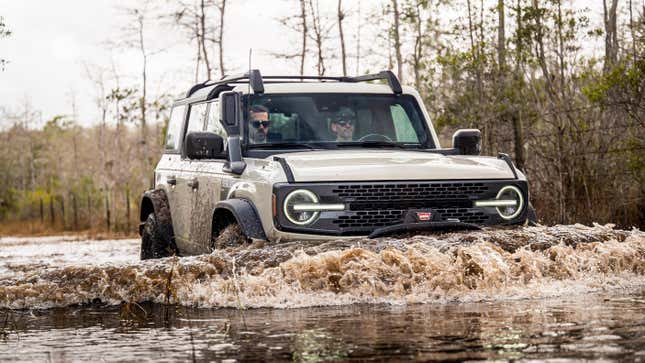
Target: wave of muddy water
x,y
495,265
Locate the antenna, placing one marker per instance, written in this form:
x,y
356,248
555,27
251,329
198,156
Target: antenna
x,y
250,59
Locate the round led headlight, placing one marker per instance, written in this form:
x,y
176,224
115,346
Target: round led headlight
x,y
510,193
300,217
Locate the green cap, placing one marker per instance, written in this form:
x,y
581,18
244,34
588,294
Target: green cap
x,y
345,113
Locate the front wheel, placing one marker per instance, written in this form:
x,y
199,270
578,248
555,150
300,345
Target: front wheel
x,y
231,236
154,244
531,216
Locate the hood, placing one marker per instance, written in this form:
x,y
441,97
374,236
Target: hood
x,y
363,165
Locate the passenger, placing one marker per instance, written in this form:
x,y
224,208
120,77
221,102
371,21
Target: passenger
x,y
259,122
342,125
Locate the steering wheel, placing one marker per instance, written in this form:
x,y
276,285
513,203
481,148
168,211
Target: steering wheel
x,y
375,137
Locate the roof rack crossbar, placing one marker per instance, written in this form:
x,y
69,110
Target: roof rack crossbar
x,y
253,77
385,75
324,78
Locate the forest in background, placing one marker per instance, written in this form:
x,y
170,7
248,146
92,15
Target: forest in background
x,y
519,70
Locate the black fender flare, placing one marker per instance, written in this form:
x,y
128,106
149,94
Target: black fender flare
x,y
245,214
155,201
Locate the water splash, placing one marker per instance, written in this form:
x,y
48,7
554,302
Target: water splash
x,y
530,262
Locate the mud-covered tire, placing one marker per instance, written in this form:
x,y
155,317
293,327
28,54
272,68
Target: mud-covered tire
x,y
231,236
153,243
531,216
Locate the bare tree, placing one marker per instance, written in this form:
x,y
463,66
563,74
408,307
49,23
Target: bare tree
x,y
220,38
358,39
397,39
341,16
4,32
298,24
196,18
318,36
611,34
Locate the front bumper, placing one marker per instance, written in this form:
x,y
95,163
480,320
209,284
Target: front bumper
x,y
370,206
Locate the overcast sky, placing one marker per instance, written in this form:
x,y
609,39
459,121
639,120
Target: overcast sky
x,y
53,41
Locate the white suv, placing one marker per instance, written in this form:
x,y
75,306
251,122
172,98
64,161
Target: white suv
x,y
312,158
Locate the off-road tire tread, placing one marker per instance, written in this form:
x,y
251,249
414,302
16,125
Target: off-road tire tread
x,y
154,244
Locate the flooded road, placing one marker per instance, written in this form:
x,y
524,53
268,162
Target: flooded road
x,y
592,326
535,292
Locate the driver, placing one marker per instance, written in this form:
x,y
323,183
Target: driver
x,y
342,125
259,124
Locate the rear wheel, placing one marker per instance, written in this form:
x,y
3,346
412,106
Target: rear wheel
x,y
154,244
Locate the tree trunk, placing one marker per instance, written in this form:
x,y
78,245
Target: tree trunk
x,y
358,40
397,41
516,117
341,16
144,95
127,209
107,210
222,12
303,18
52,217
90,223
631,30
474,49
202,38
75,212
62,211
611,34
318,36
418,50
501,38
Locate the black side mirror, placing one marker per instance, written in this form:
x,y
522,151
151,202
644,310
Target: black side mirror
x,y
230,107
467,141
230,110
203,145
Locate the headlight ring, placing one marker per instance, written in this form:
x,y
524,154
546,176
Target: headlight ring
x,y
510,192
300,218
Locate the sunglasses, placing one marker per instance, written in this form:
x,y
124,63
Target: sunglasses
x,y
257,124
345,123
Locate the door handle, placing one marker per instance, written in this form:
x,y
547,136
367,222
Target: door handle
x,y
171,180
193,183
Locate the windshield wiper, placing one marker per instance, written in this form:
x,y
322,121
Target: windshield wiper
x,y
378,144
286,145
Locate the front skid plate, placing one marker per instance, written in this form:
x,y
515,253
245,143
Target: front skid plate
x,y
422,226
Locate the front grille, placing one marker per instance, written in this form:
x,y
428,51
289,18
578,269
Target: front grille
x,y
411,191
372,205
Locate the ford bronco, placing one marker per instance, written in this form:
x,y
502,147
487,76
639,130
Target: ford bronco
x,y
285,158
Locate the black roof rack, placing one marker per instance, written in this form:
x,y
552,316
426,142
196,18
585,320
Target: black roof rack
x,y
256,81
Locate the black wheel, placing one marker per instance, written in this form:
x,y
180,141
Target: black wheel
x,y
531,216
154,244
231,236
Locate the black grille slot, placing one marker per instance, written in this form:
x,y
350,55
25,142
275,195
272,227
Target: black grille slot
x,y
466,215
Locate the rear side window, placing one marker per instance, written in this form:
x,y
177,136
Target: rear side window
x,y
174,128
197,117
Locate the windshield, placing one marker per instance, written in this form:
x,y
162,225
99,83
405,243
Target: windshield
x,y
334,120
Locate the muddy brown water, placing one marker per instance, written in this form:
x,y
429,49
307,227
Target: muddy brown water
x,y
561,292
